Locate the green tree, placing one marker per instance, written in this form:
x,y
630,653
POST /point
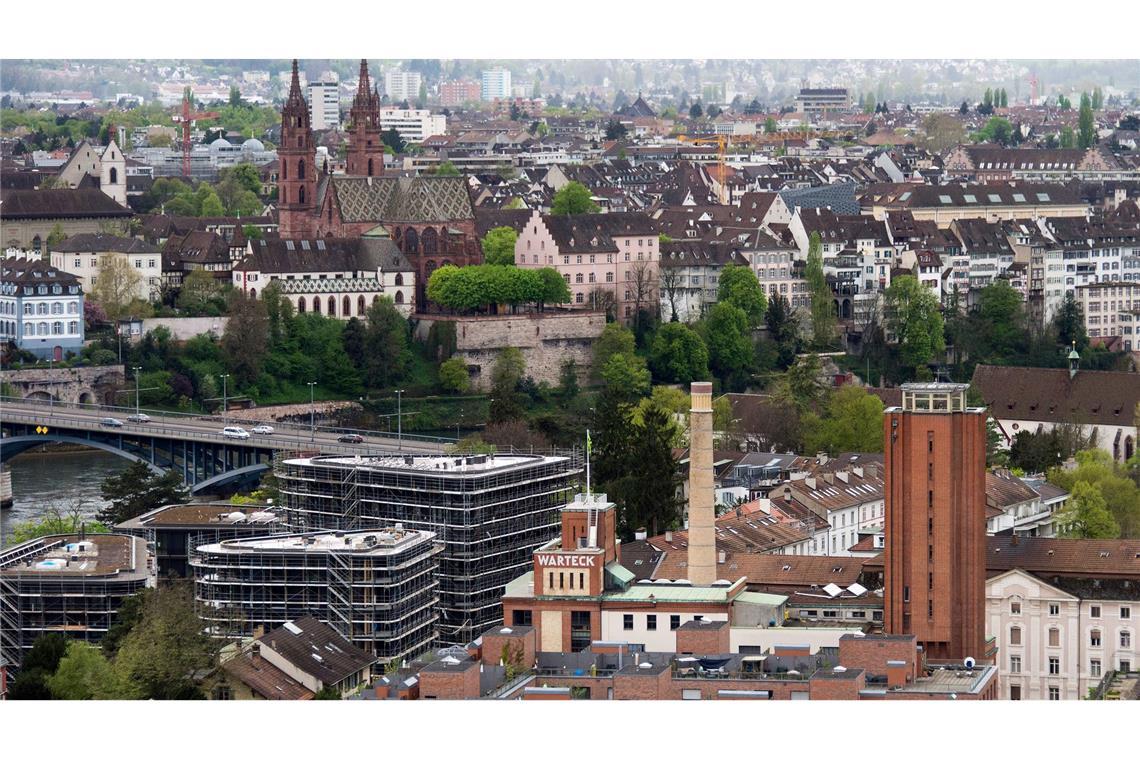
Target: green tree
x,y
1120,492
997,130
446,169
386,344
158,658
852,421
615,339
1068,138
327,692
1069,322
738,286
38,665
913,316
55,237
1035,452
568,379
627,373
1003,101
56,521
245,340
453,376
392,139
783,330
695,111
801,386
1086,514
199,289
730,350
678,354
1086,126
499,246
770,126
648,493
83,673
573,198
1000,311
823,319
988,100
507,373
137,490
354,337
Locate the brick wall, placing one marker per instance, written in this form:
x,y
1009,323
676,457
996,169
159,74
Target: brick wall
x,y
450,684
871,653
824,686
700,639
493,643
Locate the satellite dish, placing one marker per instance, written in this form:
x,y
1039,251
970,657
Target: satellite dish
x,y
969,662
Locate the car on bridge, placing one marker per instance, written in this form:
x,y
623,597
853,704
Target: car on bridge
x,y
140,417
235,432
110,422
351,438
263,429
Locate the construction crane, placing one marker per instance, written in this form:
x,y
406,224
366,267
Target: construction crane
x,y
721,143
1033,89
188,120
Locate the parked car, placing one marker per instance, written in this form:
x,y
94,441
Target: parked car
x,y
351,438
110,422
139,418
235,432
263,429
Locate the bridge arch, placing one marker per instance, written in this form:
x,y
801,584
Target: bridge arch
x,y
17,445
40,396
240,473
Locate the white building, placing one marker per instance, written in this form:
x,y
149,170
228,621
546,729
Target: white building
x,y
86,254
324,104
496,84
414,125
402,85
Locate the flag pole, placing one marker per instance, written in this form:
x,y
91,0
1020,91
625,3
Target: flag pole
x,y
587,461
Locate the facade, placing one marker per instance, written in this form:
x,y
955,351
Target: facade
x,y
459,92
41,308
378,588
324,104
71,584
1110,310
297,179
496,84
402,85
105,166
935,521
28,217
850,500
414,125
365,146
86,254
490,512
823,102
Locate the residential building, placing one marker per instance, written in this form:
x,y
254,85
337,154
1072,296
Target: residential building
x,y
942,204
41,308
459,92
849,500
823,102
378,588
496,84
85,255
69,584
490,512
402,85
414,125
935,521
324,104
1110,310
991,163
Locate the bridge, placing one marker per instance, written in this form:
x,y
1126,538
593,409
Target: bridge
x,y
191,445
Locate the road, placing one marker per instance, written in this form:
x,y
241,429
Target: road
x,y
286,436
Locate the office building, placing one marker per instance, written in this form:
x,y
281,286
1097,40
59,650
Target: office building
x,y
377,587
817,102
414,125
496,84
402,85
459,92
935,521
490,512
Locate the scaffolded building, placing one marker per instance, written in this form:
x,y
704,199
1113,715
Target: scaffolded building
x,y
377,588
72,585
490,512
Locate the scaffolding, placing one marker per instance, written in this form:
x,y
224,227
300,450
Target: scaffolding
x,y
489,512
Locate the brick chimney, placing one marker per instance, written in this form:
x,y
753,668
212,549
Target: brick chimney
x,y
702,514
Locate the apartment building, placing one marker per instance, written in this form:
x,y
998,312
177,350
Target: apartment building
x,y
414,125
324,104
85,255
1110,310
496,84
402,85
41,307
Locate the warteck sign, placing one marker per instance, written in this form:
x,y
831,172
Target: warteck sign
x,y
566,560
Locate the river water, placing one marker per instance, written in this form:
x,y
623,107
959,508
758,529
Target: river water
x,y
43,479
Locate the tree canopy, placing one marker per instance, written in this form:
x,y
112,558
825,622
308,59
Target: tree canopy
x,y
678,354
738,286
573,198
474,287
913,316
499,246
137,490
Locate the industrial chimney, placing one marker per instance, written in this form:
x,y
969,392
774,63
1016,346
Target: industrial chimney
x,y
702,516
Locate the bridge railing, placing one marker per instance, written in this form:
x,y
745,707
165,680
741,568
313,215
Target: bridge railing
x,y
158,416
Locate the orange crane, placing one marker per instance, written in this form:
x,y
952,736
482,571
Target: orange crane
x,y
721,143
188,119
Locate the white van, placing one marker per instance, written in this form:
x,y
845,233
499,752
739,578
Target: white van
x,y
235,432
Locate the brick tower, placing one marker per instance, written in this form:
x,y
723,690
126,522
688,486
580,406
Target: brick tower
x,y
297,178
365,148
936,521
702,513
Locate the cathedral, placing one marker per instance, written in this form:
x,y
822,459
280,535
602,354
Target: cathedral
x,y
430,219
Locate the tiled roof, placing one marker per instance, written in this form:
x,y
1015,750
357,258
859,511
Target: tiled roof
x,y
264,679
34,272
87,242
839,197
402,199
299,640
58,204
772,570
324,255
1050,395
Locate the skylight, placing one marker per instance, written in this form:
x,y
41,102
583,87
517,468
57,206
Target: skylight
x,y
945,199
970,198
1018,197
994,198
1044,197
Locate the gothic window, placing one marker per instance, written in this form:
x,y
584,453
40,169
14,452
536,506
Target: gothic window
x,y
399,296
360,306
332,306
346,307
114,176
301,305
429,268
317,305
301,169
370,167
399,279
411,241
301,195
284,170
430,241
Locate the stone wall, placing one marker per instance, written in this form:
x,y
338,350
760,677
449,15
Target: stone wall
x,y
75,385
185,328
546,341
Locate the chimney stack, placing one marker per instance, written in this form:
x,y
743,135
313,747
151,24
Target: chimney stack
x,y
702,514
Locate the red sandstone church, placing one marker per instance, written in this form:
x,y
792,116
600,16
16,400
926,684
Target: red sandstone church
x,y
431,219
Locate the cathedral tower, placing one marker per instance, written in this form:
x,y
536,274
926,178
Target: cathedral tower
x,y
365,148
297,176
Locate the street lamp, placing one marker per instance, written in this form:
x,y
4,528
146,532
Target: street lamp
x,y
137,370
225,399
312,414
399,421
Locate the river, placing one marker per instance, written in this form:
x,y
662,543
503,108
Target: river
x,y
44,479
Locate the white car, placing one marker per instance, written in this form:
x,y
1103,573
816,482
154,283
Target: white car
x,y
263,429
235,432
140,417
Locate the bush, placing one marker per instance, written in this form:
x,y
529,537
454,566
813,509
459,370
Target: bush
x,y
453,376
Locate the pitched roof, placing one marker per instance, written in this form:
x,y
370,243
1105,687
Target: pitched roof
x,y
317,649
402,199
264,679
771,570
87,242
839,197
324,255
1051,395
592,233
59,204
34,272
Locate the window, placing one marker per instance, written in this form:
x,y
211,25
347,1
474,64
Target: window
x,y
830,613
522,617
1015,608
1015,636
1125,666
627,622
1125,613
1054,666
674,622
1094,611
1015,693
1054,610
1054,693
1054,637
580,632
1094,668
651,622
223,691
1125,639
1094,638
1015,663
690,693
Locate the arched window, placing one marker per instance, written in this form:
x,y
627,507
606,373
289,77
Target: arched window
x,y
301,169
253,293
284,170
346,307
29,328
36,243
411,241
301,305
301,194
430,241
360,306
399,296
57,308
114,176
41,308
370,167
399,279
332,306
42,328
317,305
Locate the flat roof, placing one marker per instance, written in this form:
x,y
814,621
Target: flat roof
x,y
757,597
385,541
210,515
99,554
435,464
947,680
